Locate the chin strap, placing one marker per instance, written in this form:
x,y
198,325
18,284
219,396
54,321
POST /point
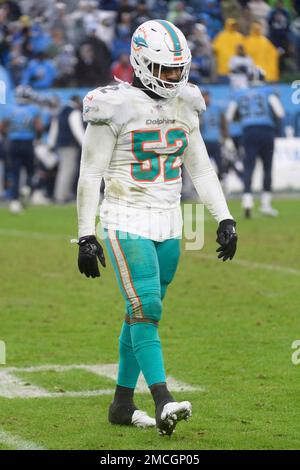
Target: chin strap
x,y
138,84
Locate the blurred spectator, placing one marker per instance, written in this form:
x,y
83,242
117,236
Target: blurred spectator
x,y
109,5
4,37
39,73
59,21
211,16
232,9
69,141
13,10
57,44
180,17
77,25
260,11
124,27
202,68
92,15
65,63
263,52
40,40
89,70
140,15
102,56
225,45
279,22
296,5
125,6
240,66
245,21
295,37
122,41
287,4
16,64
33,8
199,41
64,58
159,8
20,33
106,27
122,69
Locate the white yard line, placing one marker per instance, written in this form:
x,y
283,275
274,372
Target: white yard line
x,y
11,386
253,265
17,443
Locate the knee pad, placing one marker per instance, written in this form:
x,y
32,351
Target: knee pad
x,y
151,308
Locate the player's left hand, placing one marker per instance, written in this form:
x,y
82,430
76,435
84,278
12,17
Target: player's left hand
x,y
89,250
227,238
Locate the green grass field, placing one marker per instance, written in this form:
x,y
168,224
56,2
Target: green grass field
x,y
227,328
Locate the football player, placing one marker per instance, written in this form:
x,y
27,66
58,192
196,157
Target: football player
x,y
258,109
22,123
213,128
138,136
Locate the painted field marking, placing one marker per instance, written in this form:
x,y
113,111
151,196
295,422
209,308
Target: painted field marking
x,y
11,386
17,443
253,265
2,352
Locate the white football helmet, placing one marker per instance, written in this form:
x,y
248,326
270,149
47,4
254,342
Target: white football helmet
x,y
160,42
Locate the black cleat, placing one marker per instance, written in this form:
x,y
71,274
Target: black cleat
x,y
129,416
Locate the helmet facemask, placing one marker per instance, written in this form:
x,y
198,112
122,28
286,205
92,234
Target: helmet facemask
x,y
150,76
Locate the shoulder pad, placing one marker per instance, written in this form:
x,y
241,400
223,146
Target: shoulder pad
x,y
194,98
102,105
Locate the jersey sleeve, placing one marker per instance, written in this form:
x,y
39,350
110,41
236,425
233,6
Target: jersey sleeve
x,y
194,104
196,99
100,107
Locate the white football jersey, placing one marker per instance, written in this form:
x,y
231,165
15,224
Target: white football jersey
x,y
144,176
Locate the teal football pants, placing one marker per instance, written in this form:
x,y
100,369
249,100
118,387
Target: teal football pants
x,y
144,269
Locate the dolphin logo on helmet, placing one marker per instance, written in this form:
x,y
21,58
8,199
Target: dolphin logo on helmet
x,y
159,43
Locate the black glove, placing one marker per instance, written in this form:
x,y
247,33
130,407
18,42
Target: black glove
x,y
227,238
89,250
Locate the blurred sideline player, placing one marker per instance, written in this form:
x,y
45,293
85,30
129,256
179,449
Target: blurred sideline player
x,y
213,128
221,147
21,123
258,108
138,136
240,67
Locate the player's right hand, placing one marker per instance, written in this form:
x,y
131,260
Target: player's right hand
x,y
89,250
